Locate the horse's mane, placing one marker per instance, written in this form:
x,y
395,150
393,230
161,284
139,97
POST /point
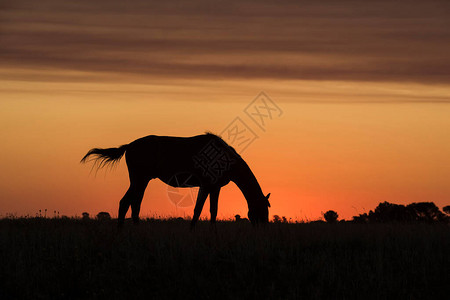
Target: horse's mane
x,y
222,141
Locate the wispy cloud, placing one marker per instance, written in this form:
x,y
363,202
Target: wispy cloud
x,y
306,40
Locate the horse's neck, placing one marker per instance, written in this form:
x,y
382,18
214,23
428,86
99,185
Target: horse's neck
x,y
246,181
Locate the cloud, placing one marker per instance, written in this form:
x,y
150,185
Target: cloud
x,y
355,41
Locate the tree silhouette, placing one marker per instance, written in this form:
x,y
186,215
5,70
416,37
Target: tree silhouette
x,y
414,212
426,212
388,212
446,209
362,218
331,216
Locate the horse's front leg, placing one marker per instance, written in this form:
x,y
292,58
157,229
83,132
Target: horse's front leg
x,y
201,198
214,201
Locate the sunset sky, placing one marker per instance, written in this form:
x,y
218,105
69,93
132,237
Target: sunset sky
x,y
363,91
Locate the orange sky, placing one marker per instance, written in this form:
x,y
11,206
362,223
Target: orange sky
x,y
364,92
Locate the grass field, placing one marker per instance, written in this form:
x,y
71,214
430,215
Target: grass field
x,y
71,258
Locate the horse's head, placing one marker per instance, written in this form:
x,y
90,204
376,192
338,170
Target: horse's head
x,y
259,213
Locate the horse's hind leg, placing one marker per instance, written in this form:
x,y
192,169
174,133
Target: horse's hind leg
x,y
137,200
132,197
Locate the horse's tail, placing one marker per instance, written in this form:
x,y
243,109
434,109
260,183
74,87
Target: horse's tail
x,y
103,157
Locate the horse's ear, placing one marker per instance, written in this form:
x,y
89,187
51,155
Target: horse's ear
x,y
267,199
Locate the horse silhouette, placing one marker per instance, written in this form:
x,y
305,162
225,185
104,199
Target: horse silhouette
x,y
205,161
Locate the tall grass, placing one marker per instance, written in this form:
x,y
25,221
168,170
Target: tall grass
x,y
71,258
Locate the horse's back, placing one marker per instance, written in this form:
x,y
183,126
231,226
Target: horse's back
x,y
165,156
166,145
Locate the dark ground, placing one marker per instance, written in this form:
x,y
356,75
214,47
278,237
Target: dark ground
x,y
69,258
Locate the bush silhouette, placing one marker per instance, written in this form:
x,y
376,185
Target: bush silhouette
x,y
331,216
241,220
276,219
103,216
